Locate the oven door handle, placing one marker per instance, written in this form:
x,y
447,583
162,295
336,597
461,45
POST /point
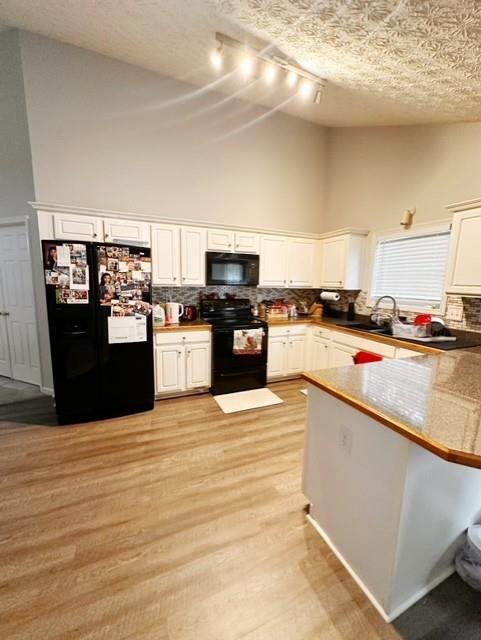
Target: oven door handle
x,y
232,374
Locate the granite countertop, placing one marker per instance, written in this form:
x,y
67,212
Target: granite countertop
x,y
185,325
434,401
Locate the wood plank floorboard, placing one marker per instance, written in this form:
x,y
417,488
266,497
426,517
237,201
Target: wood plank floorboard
x,y
179,524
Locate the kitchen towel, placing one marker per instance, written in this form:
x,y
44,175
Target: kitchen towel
x,y
247,342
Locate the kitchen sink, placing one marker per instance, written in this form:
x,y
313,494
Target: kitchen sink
x,y
371,328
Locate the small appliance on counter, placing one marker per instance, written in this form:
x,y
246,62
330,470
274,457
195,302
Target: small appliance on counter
x,y
190,312
173,312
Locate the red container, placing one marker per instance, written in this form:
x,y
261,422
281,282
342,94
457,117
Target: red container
x,y
423,318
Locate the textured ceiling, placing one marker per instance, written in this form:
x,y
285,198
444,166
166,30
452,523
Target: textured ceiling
x,y
387,62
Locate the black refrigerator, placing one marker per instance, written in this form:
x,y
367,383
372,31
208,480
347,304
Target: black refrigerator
x,y
100,324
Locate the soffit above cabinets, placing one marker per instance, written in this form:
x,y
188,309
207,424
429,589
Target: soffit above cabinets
x,y
387,62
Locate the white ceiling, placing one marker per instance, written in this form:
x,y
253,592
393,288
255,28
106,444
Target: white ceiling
x,y
386,62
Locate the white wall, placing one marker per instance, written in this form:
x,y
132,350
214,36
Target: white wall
x,y
16,180
375,173
103,137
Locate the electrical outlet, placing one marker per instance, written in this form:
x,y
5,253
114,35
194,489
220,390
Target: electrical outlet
x,y
345,439
455,313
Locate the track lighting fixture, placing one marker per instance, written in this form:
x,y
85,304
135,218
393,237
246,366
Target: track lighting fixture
x,y
271,65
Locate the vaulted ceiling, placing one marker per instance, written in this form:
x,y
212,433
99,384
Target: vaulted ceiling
x,y
386,61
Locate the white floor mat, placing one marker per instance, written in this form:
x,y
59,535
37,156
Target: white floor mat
x,y
245,400
304,391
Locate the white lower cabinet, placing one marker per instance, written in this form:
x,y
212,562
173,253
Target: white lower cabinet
x,y
182,361
341,355
319,354
197,365
169,368
286,351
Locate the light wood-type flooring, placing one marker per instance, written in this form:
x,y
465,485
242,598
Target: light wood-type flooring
x,y
180,524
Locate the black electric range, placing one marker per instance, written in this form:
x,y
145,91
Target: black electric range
x,y
232,371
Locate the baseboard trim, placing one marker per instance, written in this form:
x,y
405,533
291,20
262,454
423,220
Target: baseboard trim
x,y
349,569
422,592
48,391
388,617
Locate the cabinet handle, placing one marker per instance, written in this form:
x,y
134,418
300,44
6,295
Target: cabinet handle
x,y
94,235
183,278
174,278
188,353
178,353
230,244
106,236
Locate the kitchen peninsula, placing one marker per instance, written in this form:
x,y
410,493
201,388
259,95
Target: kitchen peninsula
x,y
388,469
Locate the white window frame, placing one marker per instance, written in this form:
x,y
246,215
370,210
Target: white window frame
x,y
395,234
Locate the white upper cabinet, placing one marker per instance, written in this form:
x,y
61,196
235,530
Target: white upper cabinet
x,y
246,242
193,245
70,226
287,262
301,262
333,260
220,240
464,264
273,261
166,254
129,231
235,241
341,261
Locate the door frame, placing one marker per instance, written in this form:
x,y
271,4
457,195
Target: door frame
x,y
24,221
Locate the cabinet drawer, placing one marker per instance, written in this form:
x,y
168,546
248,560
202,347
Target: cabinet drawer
x,y
181,337
320,332
288,330
364,344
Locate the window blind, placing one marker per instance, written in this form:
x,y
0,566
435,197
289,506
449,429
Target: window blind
x,y
411,269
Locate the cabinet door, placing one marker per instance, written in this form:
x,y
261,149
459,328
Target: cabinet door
x,y
165,254
276,356
220,240
273,261
333,262
128,231
295,354
197,365
193,247
464,255
319,354
169,368
341,355
301,262
69,226
246,242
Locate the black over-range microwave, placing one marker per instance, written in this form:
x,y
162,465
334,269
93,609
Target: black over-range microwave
x,y
232,269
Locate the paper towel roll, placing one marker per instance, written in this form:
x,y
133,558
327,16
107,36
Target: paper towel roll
x,y
330,296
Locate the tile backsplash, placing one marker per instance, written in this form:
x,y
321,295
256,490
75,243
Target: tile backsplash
x,y
471,310
191,295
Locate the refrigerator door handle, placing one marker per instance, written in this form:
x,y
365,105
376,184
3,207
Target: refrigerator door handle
x,y
75,333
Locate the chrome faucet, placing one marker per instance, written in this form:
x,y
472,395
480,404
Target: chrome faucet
x,y
376,316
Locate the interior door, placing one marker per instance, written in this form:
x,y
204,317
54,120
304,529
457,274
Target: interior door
x,y
5,367
18,304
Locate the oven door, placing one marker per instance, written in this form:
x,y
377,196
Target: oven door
x,y
224,359
232,269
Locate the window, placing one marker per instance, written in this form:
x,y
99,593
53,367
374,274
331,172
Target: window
x,y
411,268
